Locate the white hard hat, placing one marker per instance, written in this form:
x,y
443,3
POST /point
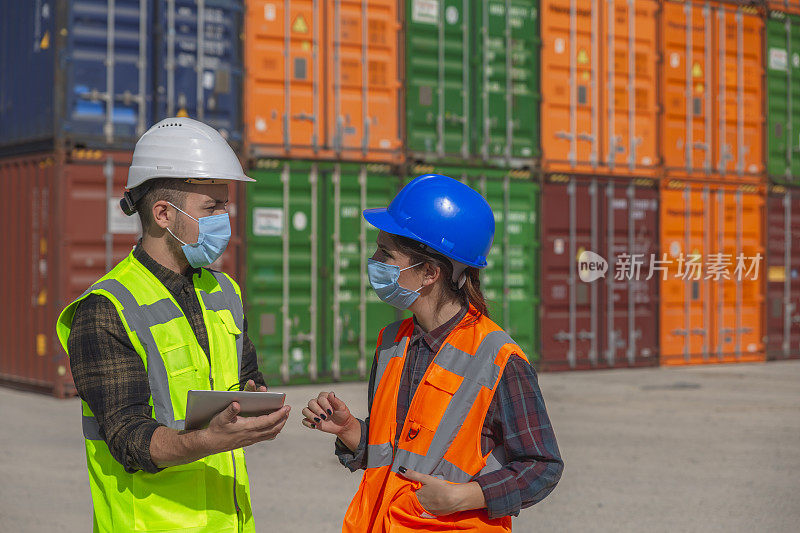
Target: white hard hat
x,y
183,148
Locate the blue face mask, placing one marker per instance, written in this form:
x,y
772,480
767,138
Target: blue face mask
x,y
212,239
383,279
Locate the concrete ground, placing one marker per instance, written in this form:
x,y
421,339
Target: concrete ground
x,y
663,449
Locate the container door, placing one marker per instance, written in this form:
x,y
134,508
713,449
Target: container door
x,y
356,314
107,71
363,112
510,282
283,94
779,278
438,119
571,63
283,272
738,298
199,62
507,94
687,33
571,308
26,59
739,98
629,239
685,295
783,107
629,118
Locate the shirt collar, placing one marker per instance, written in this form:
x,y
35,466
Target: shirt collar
x,y
435,338
173,281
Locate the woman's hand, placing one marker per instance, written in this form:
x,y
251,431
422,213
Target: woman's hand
x,y
328,413
441,498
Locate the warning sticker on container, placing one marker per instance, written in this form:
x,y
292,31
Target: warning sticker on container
x,y
425,11
776,274
777,59
267,222
300,25
119,222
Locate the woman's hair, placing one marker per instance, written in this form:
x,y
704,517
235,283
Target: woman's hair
x,y
469,293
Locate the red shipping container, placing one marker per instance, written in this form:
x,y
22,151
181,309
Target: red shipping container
x,y
606,323
65,230
783,273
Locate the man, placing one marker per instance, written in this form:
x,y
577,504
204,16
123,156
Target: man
x,y
157,326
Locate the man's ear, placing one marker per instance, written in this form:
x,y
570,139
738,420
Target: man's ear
x,y
162,214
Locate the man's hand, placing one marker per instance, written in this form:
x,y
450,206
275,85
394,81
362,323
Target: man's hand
x,y
227,431
441,498
251,387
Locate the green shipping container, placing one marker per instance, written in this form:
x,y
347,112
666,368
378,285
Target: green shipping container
x,y
507,80
783,97
510,282
472,81
312,315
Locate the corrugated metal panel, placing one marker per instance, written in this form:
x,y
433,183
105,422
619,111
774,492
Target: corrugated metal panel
x,y
712,123
783,273
507,95
62,86
214,95
472,74
783,102
356,314
439,118
600,98
312,312
610,322
80,72
709,318
323,80
69,231
510,282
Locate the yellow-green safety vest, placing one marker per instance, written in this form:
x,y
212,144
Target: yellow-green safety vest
x,y
211,494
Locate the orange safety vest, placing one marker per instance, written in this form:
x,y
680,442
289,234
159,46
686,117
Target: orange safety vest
x,y
441,433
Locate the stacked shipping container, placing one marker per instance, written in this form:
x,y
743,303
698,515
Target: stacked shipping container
x,y
782,58
653,144
80,80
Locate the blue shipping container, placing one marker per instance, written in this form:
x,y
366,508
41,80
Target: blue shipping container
x,y
219,87
98,73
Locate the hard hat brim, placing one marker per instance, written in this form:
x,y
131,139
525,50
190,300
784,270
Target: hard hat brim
x,y
381,219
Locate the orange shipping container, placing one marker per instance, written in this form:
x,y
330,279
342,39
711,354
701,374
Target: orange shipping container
x,y
599,110
787,6
713,110
322,80
712,312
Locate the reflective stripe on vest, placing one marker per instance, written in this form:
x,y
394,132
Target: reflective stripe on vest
x,y
141,318
478,371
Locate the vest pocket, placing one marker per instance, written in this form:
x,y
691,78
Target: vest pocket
x,y
435,393
171,499
178,359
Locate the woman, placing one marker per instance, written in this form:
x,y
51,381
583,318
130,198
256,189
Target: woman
x,y
458,437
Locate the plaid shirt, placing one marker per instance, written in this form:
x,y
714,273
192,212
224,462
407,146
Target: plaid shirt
x,y
111,377
517,419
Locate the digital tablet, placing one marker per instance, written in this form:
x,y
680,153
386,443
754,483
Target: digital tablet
x,y
203,405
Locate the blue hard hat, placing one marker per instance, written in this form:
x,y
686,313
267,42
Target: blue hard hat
x,y
442,213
